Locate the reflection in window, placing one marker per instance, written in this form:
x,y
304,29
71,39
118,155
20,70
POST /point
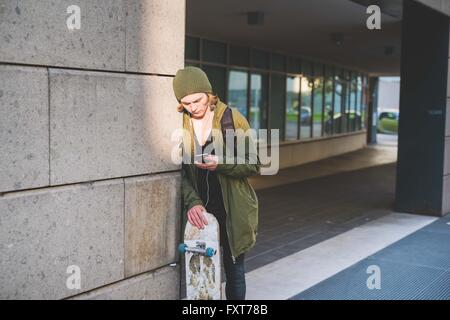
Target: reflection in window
x,y
364,100
278,62
318,101
328,105
345,101
305,113
258,101
214,51
277,102
292,107
337,116
340,99
324,100
358,102
217,77
239,56
260,59
237,91
192,48
352,109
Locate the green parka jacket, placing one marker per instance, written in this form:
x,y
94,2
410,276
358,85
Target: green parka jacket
x,y
240,200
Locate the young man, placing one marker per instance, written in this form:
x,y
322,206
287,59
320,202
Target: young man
x,y
214,186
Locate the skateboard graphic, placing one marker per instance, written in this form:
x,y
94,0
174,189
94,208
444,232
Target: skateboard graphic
x,y
202,260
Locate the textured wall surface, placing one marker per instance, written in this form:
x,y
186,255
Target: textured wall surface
x,y
86,177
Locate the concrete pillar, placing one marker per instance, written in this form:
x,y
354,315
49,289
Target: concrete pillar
x,y
423,153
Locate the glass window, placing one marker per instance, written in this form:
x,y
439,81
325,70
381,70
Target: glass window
x,y
340,101
278,62
313,100
277,103
237,91
358,102
292,107
258,101
260,59
214,51
345,101
307,68
306,84
352,107
328,116
294,65
318,100
364,100
217,77
239,56
192,48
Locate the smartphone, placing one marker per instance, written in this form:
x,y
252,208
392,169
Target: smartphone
x,y
201,157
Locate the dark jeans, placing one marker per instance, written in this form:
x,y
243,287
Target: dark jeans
x,y
234,272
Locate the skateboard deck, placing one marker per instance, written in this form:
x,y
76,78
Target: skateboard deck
x,y
201,248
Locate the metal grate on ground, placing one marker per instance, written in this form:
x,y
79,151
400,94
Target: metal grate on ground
x,y
414,268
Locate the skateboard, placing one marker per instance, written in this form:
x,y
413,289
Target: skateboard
x,y
201,248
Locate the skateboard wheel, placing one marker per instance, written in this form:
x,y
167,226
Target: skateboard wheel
x,y
182,248
210,252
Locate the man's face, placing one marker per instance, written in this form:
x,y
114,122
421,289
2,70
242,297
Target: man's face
x,y
196,104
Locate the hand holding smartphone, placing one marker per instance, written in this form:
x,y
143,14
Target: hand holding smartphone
x,y
201,157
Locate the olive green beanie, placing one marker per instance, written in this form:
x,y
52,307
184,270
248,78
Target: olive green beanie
x,y
190,80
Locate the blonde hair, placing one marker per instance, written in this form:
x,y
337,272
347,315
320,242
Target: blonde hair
x,y
212,101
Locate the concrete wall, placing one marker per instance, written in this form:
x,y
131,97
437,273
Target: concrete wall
x,y
294,154
86,177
